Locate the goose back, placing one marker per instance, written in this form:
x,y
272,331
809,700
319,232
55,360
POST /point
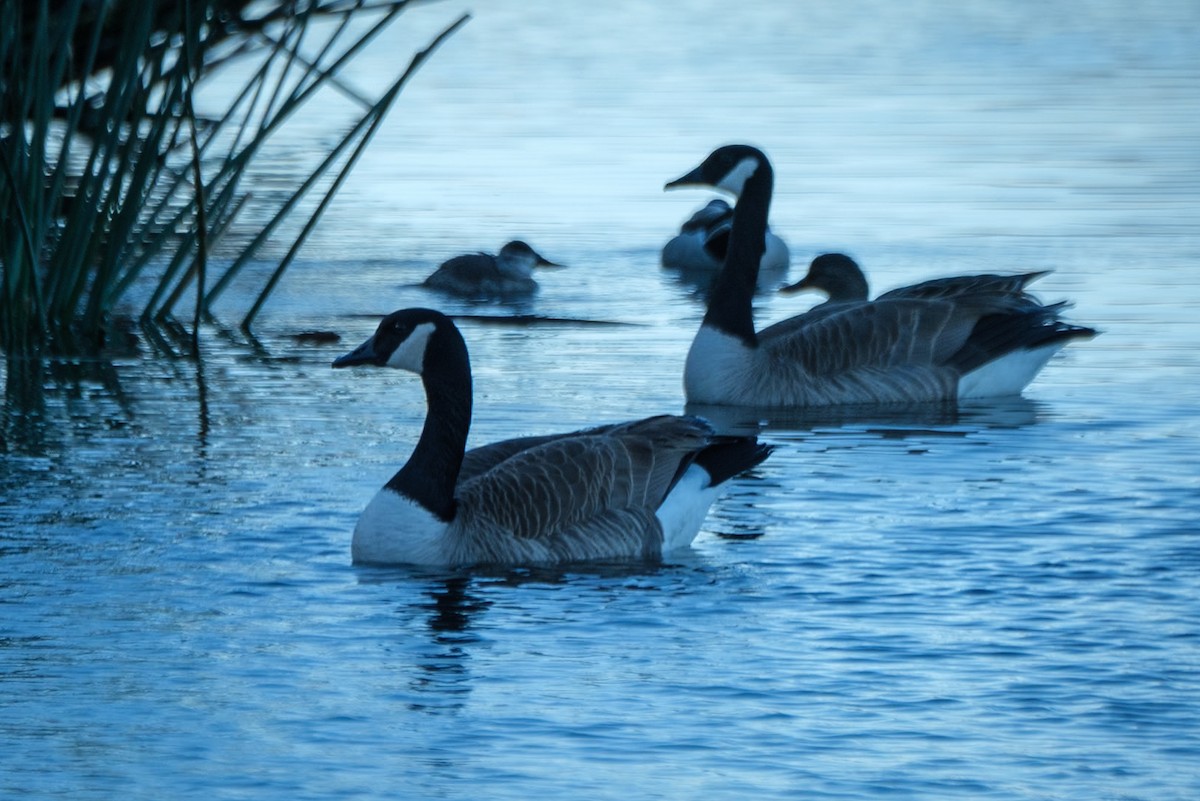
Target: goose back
x,y
842,280
972,286
585,495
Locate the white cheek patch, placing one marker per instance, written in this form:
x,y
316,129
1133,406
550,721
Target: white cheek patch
x,y
410,354
735,181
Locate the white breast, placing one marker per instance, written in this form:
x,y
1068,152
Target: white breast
x,y
716,367
395,529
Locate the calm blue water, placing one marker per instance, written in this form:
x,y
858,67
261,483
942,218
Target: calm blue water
x,y
1002,603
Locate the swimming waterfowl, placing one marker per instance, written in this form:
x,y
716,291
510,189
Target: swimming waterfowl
x,y
842,280
508,274
892,350
638,489
703,241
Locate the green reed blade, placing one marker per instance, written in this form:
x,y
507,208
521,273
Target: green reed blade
x,y
376,116
103,189
268,127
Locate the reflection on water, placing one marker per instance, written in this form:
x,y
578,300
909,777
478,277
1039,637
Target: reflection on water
x,y
76,386
890,420
699,282
453,609
442,677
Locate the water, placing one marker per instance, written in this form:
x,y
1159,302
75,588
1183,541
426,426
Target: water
x,y
997,603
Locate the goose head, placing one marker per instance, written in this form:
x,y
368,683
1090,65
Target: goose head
x,y
518,259
727,168
402,341
835,274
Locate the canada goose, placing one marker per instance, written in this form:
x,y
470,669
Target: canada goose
x,y
629,490
842,280
703,240
508,274
903,349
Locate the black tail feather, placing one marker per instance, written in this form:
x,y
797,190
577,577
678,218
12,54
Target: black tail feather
x,y
998,334
729,456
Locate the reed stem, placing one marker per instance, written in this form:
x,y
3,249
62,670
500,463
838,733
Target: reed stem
x,y
106,197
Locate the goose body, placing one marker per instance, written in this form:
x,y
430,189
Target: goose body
x,y
633,490
923,345
508,274
703,241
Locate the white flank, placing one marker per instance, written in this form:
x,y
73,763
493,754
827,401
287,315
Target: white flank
x,y
684,510
410,354
686,252
397,530
716,367
1007,375
776,256
519,266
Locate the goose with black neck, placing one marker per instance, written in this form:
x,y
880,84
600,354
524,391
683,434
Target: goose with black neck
x,y
891,350
633,490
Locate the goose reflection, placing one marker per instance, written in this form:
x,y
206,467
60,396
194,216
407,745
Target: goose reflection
x,y
894,419
698,282
441,681
451,610
741,516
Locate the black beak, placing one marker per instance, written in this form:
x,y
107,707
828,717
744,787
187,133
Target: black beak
x,y
363,354
693,178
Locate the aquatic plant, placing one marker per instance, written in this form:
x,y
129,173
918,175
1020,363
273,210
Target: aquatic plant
x,y
109,179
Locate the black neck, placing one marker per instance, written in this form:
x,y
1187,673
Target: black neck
x,y
431,473
730,302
